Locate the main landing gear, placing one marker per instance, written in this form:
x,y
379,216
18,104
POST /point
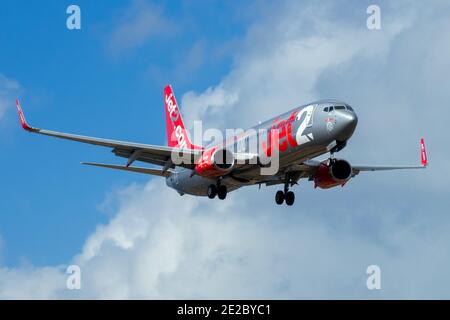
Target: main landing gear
x,y
219,190
285,195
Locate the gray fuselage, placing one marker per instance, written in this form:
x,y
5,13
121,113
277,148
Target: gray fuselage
x,y
304,133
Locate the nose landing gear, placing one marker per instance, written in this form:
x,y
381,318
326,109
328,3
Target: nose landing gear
x,y
338,147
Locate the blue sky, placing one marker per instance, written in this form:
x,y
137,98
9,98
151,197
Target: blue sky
x,y
229,65
75,81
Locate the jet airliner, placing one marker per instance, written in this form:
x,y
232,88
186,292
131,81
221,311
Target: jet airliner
x,y
297,137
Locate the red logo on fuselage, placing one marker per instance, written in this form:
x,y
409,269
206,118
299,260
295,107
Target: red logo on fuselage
x,y
285,137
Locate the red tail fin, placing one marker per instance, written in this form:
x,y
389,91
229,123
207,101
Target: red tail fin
x,y
176,132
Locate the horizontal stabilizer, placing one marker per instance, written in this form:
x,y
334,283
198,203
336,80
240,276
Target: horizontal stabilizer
x,y
154,172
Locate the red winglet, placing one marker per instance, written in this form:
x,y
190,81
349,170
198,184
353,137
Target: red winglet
x,y
23,122
423,153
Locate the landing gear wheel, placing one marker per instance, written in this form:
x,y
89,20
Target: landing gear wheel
x,y
290,198
222,192
279,197
212,191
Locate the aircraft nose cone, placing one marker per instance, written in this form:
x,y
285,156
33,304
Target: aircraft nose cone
x,y
346,122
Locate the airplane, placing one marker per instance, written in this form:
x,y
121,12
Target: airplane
x,y
297,136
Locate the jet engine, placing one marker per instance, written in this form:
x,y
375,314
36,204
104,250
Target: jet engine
x,y
215,162
332,173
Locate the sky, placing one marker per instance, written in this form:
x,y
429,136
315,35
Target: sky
x,y
230,66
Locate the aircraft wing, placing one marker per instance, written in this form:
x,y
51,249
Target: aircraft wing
x,y
424,163
357,168
309,167
159,155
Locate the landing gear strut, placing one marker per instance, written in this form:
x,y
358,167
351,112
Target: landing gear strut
x,y
285,195
217,189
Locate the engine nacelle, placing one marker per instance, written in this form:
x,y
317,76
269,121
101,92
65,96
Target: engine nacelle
x,y
332,173
215,163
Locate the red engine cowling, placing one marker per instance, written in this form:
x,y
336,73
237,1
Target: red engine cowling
x,y
215,162
332,173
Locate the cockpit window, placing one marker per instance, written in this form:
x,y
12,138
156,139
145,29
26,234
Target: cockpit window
x,y
325,109
339,107
349,108
331,109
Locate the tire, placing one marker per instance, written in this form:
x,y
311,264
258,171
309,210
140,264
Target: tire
x,y
222,192
212,191
290,198
279,197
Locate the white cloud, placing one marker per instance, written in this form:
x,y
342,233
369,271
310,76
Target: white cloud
x,y
160,245
154,249
208,105
140,22
32,283
8,88
284,59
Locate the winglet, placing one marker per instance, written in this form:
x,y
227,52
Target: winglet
x,y
23,121
423,153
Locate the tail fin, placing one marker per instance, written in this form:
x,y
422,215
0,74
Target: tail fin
x,y
176,132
